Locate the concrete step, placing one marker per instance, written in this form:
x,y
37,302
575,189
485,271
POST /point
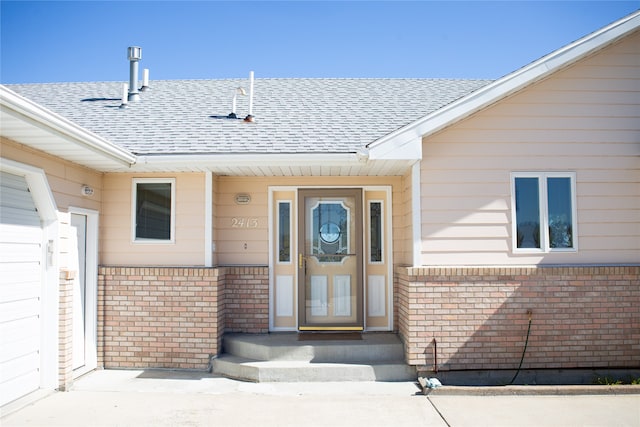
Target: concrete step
x,y
304,371
376,347
281,357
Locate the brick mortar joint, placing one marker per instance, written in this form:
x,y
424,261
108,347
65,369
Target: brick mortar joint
x,y
408,273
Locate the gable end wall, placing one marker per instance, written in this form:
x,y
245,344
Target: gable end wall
x,y
584,119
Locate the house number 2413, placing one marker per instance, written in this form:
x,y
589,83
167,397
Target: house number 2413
x,y
242,222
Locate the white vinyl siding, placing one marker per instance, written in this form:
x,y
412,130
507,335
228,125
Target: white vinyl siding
x,y
584,119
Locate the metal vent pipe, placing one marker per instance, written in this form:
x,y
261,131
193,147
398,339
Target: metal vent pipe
x,y
134,55
249,117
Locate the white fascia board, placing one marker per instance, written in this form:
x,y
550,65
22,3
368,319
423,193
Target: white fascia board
x,y
213,160
35,114
511,83
407,147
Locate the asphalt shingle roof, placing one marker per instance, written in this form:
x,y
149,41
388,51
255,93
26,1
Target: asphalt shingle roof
x,y
291,115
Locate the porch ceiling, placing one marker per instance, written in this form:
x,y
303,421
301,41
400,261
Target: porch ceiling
x,y
275,165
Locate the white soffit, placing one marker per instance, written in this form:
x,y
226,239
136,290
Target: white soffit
x,y
303,164
30,124
509,84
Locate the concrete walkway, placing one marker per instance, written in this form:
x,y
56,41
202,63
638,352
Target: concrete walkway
x,y
170,398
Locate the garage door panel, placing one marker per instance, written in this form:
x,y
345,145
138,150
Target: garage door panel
x,y
28,288
19,252
14,311
19,329
19,234
16,347
20,272
17,271
19,386
19,366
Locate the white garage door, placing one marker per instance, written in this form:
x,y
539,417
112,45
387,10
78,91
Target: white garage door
x,y
21,263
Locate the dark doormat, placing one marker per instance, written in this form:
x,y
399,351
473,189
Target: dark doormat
x,y
329,336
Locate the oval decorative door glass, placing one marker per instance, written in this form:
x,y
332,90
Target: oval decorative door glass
x,y
330,231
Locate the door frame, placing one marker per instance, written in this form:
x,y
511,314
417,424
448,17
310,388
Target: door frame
x,y
292,282
357,194
91,289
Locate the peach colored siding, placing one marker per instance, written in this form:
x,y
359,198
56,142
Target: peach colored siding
x,y
402,223
241,230
118,248
580,120
65,178
236,225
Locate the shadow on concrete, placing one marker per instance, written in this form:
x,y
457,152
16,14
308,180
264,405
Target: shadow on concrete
x,y
169,374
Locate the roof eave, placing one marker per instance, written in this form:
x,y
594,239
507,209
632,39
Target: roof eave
x,y
36,116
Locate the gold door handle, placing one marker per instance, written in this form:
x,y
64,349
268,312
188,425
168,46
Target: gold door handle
x,y
300,258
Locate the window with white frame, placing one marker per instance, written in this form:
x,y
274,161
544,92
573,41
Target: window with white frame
x,y
544,209
153,202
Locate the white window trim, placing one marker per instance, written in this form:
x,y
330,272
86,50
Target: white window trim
x,y
134,193
544,211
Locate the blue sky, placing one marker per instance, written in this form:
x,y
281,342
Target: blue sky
x,y
55,41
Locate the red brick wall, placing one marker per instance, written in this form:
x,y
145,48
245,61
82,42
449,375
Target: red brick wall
x,y
247,299
581,317
158,317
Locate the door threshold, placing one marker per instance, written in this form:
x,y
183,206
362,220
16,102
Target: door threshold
x,y
330,328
